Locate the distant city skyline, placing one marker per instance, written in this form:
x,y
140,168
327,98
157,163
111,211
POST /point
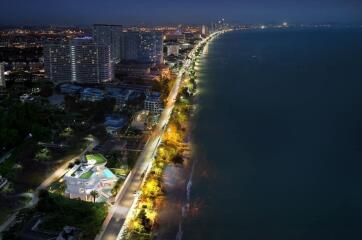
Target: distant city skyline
x,y
79,12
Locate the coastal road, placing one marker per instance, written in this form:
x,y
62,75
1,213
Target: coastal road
x,y
124,201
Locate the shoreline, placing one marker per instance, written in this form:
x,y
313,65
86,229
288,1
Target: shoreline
x,y
176,196
143,216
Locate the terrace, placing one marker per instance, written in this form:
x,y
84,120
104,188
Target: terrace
x,y
78,171
95,159
87,174
90,175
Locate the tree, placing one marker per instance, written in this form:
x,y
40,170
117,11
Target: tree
x,y
40,132
94,194
100,133
43,155
178,159
146,223
46,202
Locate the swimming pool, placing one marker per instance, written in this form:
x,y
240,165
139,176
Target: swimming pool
x,y
108,174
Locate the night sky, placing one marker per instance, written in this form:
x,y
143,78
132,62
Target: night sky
x,y
84,12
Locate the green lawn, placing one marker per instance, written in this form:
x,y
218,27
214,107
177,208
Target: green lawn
x,y
98,158
86,175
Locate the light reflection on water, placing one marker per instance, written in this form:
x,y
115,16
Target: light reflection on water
x,y
279,144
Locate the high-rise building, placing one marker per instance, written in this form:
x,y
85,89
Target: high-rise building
x,y
81,60
2,75
142,47
173,49
204,30
104,34
57,62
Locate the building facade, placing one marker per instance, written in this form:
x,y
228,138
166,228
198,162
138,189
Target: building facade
x,y
2,75
173,49
80,61
90,175
204,30
121,96
153,103
142,47
114,124
109,35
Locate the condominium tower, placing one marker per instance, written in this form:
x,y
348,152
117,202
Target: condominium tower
x,y
109,35
81,60
142,47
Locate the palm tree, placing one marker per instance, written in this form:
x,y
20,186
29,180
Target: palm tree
x,y
94,194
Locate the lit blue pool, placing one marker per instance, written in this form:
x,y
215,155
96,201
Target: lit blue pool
x,y
108,174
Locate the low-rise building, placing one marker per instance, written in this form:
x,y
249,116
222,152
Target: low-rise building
x,y
114,124
91,175
91,94
70,89
140,120
120,95
173,49
153,102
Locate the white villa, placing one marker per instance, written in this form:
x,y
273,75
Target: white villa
x,y
90,175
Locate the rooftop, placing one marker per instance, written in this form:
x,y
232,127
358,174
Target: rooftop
x,y
95,91
153,96
95,158
87,174
114,92
79,171
70,86
112,121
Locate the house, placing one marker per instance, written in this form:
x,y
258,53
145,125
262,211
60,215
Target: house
x,y
91,95
153,102
114,124
90,175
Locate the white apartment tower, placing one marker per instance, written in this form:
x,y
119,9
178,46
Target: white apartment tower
x,y
81,61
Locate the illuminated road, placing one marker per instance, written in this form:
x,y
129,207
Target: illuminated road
x,y
118,214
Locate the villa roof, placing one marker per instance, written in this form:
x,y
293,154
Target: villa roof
x,y
96,158
87,174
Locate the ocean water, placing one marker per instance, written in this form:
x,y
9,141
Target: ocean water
x,y
278,137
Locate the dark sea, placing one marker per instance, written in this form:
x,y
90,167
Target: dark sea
x,y
278,137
